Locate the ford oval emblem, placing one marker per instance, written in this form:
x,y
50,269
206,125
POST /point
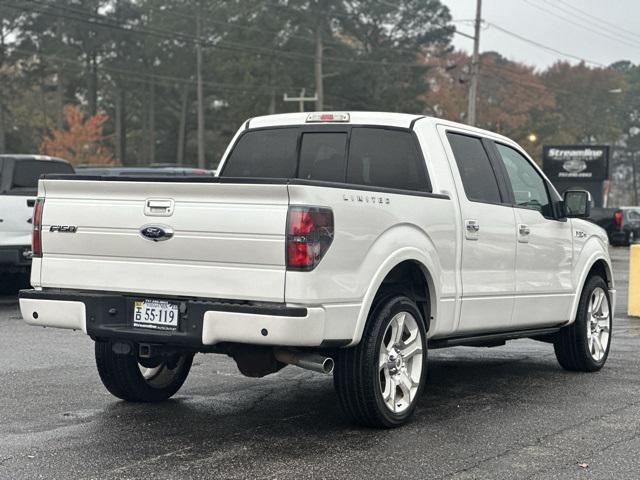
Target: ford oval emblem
x,y
156,233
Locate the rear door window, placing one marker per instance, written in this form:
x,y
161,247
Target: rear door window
x,y
386,158
323,156
26,173
264,154
478,177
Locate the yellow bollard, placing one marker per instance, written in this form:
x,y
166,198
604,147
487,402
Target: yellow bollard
x,y
634,281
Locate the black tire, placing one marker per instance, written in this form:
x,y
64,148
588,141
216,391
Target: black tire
x,y
121,375
357,377
572,344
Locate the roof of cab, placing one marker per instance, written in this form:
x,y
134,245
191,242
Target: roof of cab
x,y
388,119
401,120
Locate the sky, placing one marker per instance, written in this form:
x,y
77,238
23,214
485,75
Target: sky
x,y
598,31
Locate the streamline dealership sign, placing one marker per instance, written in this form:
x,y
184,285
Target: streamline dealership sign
x,y
576,162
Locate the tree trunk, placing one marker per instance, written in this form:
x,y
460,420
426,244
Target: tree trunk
x,y
3,135
182,127
92,83
59,100
201,151
272,80
3,138
152,122
318,67
121,127
144,144
59,85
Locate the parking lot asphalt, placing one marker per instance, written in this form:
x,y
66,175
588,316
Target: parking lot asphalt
x,y
504,412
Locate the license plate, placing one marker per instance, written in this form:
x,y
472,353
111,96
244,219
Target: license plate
x,y
155,314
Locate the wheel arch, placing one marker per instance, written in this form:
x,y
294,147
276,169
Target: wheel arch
x,y
597,264
392,275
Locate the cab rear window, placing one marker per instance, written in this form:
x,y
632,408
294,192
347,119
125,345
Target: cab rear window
x,y
264,154
20,176
27,172
367,156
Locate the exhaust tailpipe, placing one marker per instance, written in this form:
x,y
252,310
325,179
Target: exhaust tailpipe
x,y
309,361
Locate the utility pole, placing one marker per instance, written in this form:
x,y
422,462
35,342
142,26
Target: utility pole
x,y
201,152
635,181
475,66
318,68
301,99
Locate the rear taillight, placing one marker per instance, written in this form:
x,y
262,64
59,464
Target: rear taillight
x,y
36,238
309,236
617,218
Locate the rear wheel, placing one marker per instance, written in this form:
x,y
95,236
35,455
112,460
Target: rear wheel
x,y
584,345
380,380
141,380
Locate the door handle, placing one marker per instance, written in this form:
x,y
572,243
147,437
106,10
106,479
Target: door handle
x,y
159,204
158,207
523,233
472,226
472,229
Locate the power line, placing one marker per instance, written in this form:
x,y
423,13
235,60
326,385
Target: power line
x,y
616,27
544,47
462,34
106,22
224,45
580,25
168,80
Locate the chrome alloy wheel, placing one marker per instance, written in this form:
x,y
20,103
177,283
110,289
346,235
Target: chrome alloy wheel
x,y
598,324
161,375
150,373
400,362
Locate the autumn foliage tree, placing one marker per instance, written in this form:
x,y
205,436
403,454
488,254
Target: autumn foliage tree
x,y
509,95
81,142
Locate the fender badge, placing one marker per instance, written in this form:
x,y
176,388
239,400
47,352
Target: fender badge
x,y
63,228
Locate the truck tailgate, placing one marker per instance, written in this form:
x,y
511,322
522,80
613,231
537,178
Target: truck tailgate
x,y
228,239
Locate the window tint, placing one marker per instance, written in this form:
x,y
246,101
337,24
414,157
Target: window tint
x,y
385,158
27,172
264,154
528,186
322,156
478,177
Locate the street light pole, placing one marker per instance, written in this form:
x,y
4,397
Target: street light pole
x,y
475,67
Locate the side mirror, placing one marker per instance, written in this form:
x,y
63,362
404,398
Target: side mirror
x,y
577,203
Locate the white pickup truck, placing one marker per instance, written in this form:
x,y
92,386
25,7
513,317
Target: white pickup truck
x,y
18,188
362,239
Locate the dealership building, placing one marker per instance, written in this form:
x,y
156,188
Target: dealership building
x,y
584,167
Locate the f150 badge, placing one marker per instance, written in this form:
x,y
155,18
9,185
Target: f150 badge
x,y
63,228
156,233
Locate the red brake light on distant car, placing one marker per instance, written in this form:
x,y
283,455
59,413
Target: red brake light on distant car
x,y
36,237
309,236
617,218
